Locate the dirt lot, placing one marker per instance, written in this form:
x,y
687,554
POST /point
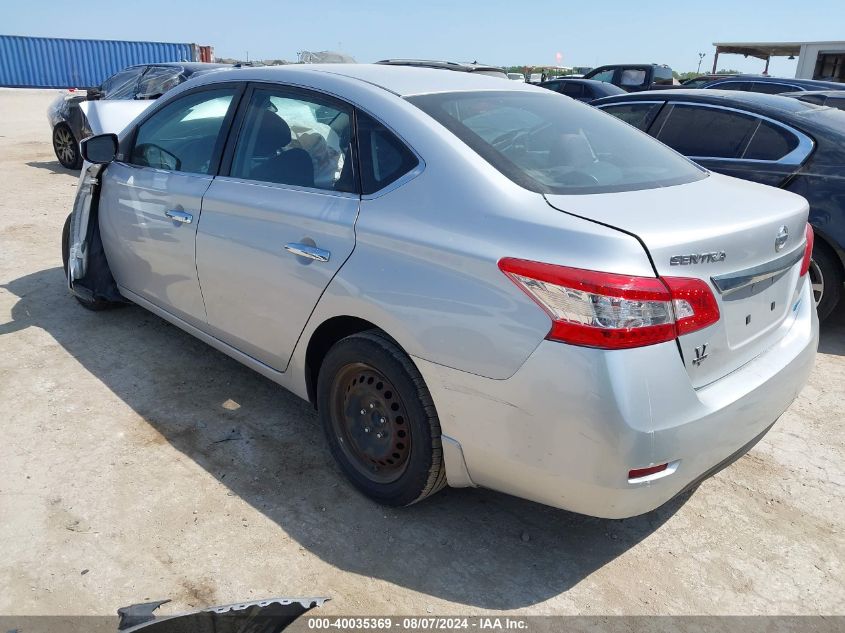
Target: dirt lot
x,y
138,463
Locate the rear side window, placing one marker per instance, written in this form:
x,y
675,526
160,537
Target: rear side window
x,y
707,132
556,146
836,102
383,157
770,142
771,88
663,76
632,77
640,115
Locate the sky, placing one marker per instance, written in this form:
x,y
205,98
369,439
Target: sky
x,y
526,32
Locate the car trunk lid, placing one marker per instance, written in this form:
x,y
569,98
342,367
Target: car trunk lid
x,y
746,241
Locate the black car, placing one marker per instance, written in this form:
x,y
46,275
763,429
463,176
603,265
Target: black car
x,y
634,77
147,81
830,98
768,85
582,89
768,139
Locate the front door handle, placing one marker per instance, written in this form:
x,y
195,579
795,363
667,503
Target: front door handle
x,y
179,216
306,250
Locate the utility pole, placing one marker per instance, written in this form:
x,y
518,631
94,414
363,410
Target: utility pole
x,y
701,57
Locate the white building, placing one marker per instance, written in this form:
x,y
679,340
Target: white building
x,y
816,60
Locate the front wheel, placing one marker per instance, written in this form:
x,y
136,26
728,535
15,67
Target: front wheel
x,y
90,304
380,421
66,147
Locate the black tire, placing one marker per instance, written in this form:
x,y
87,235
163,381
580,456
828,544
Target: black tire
x,y
94,305
369,373
66,147
826,277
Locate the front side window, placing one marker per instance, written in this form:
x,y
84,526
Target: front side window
x,y
384,158
707,132
605,76
122,85
732,85
185,134
158,80
290,139
572,89
663,76
640,115
555,147
771,88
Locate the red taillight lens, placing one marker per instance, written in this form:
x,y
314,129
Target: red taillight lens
x,y
611,311
637,473
808,250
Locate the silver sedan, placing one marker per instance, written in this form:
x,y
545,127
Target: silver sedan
x,y
476,282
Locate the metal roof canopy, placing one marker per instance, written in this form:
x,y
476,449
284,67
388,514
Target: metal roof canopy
x,y
762,50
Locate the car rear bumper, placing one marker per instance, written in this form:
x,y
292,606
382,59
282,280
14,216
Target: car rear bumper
x,y
570,424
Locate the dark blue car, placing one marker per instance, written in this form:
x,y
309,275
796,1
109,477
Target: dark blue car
x,y
769,139
768,85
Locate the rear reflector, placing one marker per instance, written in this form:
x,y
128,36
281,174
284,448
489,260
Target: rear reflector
x,y
808,249
638,473
610,311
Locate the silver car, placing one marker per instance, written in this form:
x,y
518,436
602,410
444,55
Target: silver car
x,y
476,282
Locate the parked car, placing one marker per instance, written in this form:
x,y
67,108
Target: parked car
x,y
697,82
634,77
829,98
466,67
768,139
769,85
499,287
516,76
585,90
148,81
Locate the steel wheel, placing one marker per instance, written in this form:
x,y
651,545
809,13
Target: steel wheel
x,y
66,148
816,281
369,419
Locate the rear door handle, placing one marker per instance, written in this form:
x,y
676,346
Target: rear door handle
x,y
306,250
179,216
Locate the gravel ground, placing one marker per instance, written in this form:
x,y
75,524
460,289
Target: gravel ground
x,y
138,463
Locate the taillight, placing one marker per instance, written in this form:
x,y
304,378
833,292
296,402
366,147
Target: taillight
x,y
612,311
808,250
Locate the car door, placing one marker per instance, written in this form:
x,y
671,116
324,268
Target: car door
x,y
151,199
278,223
733,142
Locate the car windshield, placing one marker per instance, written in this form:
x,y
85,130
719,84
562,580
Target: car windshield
x,y
551,144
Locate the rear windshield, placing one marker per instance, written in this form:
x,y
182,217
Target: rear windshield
x,y
551,144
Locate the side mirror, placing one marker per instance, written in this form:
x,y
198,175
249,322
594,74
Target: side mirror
x,y
93,94
99,149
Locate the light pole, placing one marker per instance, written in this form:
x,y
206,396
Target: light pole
x,y
701,57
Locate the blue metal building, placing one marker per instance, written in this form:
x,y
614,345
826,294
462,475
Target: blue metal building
x,y
45,62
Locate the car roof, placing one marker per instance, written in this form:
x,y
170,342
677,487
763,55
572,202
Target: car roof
x,y
398,79
831,85
435,63
819,93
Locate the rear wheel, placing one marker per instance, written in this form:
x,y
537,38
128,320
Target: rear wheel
x,y
66,147
380,421
90,304
826,278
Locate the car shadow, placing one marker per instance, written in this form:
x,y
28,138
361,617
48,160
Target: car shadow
x,y
469,546
53,166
